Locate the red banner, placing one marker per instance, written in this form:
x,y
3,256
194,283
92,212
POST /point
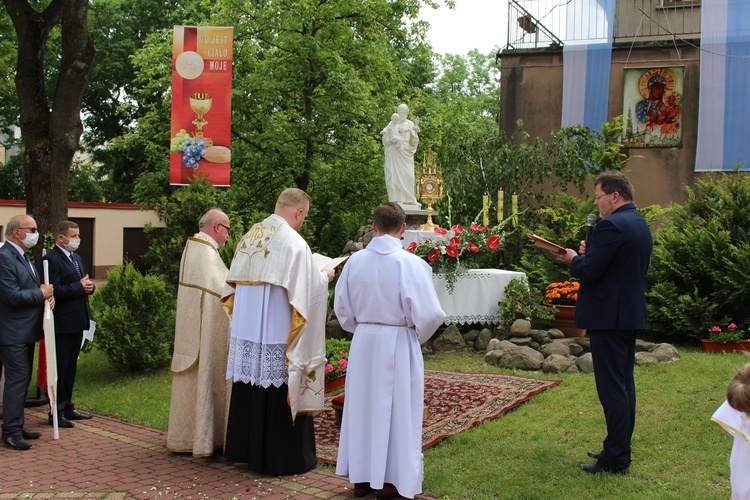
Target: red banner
x,y
201,105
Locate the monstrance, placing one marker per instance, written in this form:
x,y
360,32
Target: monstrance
x,y
430,190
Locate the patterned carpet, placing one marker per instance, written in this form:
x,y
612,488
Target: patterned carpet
x,y
457,402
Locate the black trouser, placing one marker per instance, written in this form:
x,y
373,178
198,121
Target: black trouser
x,y
67,348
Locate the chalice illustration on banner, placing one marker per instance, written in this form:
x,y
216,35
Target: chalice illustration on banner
x,y
200,103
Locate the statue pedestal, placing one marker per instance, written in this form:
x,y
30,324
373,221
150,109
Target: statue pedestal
x,y
415,216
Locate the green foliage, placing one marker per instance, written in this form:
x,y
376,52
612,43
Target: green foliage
x,y
181,212
11,178
701,260
135,317
523,301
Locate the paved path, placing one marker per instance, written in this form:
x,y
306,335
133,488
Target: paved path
x,y
110,459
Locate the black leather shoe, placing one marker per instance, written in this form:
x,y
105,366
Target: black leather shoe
x,y
596,468
362,489
77,415
388,491
30,434
61,422
16,442
595,454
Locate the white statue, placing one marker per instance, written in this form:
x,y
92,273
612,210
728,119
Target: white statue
x,y
400,140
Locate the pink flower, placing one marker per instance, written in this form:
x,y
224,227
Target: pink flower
x,y
452,250
473,248
493,242
329,367
731,326
343,363
412,246
440,231
433,255
716,329
458,229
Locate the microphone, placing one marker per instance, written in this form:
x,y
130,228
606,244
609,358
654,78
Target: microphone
x,y
590,222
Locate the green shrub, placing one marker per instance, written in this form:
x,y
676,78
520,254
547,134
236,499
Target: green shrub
x,y
700,266
135,317
522,301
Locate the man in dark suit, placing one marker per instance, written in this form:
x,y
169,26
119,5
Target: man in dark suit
x,y
612,307
21,308
72,289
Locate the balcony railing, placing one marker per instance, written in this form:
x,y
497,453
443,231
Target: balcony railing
x,y
544,23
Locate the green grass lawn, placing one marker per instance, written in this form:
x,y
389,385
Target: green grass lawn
x,y
534,450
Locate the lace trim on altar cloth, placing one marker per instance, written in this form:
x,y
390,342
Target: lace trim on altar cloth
x,y
262,365
472,318
465,276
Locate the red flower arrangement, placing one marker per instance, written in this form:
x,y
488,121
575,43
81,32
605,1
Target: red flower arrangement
x,y
471,248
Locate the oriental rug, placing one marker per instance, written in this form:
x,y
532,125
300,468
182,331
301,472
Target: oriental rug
x,y
456,401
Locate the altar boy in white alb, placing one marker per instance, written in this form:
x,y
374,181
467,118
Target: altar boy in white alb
x,y
386,297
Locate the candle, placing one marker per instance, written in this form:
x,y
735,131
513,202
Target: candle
x,y
500,201
485,209
514,208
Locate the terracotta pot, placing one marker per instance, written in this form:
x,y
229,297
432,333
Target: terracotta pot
x,y
564,321
334,384
711,346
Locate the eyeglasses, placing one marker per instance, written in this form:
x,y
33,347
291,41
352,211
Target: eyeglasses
x,y
225,227
598,196
29,229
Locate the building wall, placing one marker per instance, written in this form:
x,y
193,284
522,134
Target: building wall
x,y
531,90
110,222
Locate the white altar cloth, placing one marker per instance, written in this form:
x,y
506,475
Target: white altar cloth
x,y
475,295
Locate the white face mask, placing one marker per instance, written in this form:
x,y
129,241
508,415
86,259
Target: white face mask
x,y
73,244
30,240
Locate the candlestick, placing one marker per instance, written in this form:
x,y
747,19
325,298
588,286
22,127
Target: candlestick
x,y
500,202
514,207
485,209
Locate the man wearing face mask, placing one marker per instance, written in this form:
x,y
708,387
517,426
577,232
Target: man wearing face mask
x,y
72,289
21,308
200,389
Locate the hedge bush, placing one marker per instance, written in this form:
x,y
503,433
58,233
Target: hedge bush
x,y
700,266
135,317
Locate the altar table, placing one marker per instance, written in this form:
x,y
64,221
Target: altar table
x,y
475,295
412,235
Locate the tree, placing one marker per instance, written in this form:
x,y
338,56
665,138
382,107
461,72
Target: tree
x,y
50,133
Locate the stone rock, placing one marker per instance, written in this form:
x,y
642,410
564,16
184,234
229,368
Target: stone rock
x,y
471,335
575,349
449,340
520,340
665,353
573,368
347,247
500,345
539,336
584,342
585,363
493,357
643,346
367,237
427,348
522,358
555,363
645,358
357,246
555,333
334,330
485,336
556,347
520,328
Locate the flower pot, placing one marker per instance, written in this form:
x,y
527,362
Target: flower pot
x,y
564,321
332,385
711,346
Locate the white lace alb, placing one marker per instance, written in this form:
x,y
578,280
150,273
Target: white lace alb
x,y
262,365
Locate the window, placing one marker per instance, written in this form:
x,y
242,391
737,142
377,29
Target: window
x,y
679,3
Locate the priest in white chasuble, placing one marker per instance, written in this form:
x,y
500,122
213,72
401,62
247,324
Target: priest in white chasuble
x,y
276,298
200,391
386,297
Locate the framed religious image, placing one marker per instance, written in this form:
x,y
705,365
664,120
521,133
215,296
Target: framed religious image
x,y
652,107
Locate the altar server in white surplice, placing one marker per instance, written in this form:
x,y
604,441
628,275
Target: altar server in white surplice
x,y
386,297
200,391
276,298
734,416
